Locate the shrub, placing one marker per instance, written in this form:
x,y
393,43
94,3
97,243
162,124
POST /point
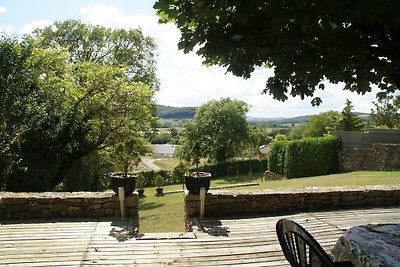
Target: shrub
x,y
276,159
140,181
150,177
228,168
311,157
159,180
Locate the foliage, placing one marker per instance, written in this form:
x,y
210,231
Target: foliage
x,y
296,132
218,131
312,156
58,112
280,137
160,138
179,171
307,43
140,181
276,158
128,152
105,46
89,173
319,125
159,180
348,121
150,177
236,167
258,136
386,112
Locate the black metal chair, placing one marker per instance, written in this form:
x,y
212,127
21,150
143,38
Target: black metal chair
x,y
301,249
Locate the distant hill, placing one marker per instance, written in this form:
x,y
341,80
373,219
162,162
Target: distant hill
x,y
176,113
280,121
181,113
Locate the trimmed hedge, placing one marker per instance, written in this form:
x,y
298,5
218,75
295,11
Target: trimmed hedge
x,y
312,157
276,159
306,157
228,168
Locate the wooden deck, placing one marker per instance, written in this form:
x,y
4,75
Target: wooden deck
x,y
224,242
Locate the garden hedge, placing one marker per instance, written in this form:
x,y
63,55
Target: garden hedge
x,y
276,159
312,157
306,157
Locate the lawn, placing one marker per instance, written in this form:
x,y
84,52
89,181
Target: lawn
x,y
165,214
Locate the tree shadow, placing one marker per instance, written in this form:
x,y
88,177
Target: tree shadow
x,y
123,230
150,206
216,229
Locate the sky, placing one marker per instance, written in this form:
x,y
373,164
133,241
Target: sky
x,y
184,80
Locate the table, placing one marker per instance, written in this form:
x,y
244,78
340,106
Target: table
x,y
370,245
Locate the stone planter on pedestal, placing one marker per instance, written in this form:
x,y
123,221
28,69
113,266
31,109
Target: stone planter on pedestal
x,y
196,180
128,182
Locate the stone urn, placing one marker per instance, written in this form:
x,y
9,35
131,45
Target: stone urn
x,y
196,180
127,181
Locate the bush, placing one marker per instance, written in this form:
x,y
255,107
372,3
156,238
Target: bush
x,y
150,177
276,159
90,173
159,180
228,168
311,157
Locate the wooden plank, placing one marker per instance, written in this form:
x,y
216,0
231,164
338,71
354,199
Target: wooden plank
x,y
226,242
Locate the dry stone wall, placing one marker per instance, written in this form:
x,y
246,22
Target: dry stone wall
x,y
377,150
65,205
244,203
382,157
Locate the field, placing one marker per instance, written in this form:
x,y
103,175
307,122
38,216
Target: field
x,y
165,214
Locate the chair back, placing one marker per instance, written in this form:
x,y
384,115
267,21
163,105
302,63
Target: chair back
x,y
299,247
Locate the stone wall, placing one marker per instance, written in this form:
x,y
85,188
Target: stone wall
x,y
245,203
381,157
65,205
377,150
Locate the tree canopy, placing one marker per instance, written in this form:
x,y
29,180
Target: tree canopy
x,y
62,114
89,43
306,42
348,121
217,132
386,112
320,124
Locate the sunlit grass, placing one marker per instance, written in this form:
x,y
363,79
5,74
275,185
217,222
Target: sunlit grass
x,y
165,214
166,164
161,214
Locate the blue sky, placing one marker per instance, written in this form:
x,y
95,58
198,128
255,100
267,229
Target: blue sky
x,y
184,81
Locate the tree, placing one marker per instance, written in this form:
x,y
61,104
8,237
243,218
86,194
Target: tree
x,y
296,132
218,131
387,112
319,125
59,114
306,42
88,43
348,121
258,136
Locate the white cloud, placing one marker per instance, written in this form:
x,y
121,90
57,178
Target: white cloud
x,y
185,82
6,29
28,28
3,9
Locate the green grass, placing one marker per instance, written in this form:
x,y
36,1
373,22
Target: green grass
x,y
165,214
161,214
